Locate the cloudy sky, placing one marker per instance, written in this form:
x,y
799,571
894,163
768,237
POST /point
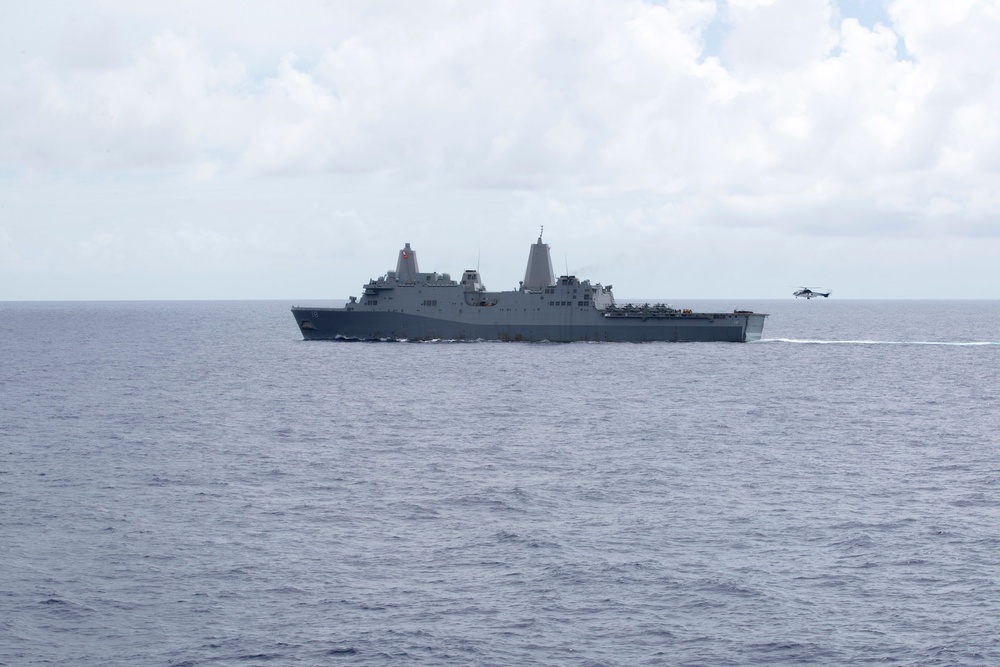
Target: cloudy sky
x,y
202,149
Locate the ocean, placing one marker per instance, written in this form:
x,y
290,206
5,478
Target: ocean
x,y
191,483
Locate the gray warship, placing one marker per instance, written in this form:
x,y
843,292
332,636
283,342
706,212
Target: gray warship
x,y
406,304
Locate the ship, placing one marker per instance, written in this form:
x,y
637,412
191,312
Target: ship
x,y
409,305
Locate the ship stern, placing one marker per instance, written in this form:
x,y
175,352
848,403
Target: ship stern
x,y
755,327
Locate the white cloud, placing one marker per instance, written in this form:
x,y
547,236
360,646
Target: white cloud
x,y
807,122
778,36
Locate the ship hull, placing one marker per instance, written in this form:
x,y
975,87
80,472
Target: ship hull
x,y
344,324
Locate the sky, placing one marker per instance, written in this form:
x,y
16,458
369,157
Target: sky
x,y
216,149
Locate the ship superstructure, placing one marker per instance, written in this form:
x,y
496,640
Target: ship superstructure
x,y
407,304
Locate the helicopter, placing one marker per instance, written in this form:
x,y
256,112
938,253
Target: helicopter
x,y
810,293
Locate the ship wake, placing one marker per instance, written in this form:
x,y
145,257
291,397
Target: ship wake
x,y
810,341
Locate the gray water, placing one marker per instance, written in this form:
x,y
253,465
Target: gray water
x,y
193,484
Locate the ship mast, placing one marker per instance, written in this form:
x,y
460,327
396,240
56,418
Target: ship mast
x,y
538,274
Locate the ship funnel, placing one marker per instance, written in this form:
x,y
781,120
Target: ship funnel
x,y
406,265
539,272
